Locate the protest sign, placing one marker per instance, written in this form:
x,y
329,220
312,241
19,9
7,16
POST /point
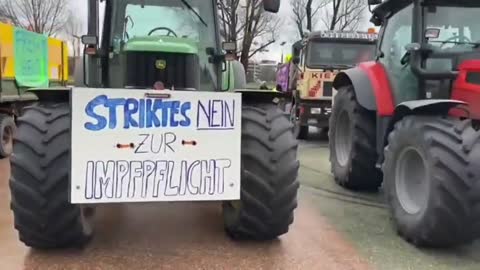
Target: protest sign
x,y
144,145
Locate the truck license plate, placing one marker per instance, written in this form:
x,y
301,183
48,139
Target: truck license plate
x,y
146,146
316,111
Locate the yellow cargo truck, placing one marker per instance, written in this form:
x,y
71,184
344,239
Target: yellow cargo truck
x,y
27,60
317,59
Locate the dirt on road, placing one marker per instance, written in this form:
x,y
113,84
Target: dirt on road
x,y
181,236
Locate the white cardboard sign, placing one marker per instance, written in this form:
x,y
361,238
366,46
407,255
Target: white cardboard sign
x,y
133,145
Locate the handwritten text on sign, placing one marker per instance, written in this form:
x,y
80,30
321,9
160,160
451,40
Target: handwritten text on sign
x,y
128,148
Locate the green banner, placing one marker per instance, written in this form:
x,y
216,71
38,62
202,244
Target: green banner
x,y
31,59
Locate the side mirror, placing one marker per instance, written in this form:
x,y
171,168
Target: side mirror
x,y
432,33
90,40
229,46
214,58
271,5
413,47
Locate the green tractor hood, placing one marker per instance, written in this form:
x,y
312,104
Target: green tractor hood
x,y
162,44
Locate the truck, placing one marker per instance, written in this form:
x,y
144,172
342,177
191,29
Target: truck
x,y
317,59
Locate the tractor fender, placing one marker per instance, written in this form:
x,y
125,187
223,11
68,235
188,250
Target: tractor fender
x,y
426,106
57,94
422,106
371,85
361,85
253,96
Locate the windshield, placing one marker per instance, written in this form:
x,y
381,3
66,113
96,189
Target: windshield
x,y
165,20
338,54
191,20
456,32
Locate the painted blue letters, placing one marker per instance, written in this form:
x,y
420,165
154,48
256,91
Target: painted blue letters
x,y
89,110
137,113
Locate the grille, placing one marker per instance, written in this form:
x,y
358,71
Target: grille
x,y
180,71
327,89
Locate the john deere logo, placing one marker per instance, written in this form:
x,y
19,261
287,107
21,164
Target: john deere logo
x,y
161,64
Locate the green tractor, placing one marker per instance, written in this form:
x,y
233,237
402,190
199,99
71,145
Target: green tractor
x,y
154,71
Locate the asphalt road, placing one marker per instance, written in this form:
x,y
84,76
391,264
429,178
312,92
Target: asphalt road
x,y
333,229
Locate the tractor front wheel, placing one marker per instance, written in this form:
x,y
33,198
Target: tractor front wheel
x,y
352,143
430,171
40,183
269,176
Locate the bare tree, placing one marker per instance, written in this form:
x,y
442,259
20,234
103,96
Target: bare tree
x,y
41,16
228,10
344,15
245,22
3,14
73,30
305,13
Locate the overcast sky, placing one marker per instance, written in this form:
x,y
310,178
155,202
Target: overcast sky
x,y
288,33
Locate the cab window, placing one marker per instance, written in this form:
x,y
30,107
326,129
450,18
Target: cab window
x,y
397,35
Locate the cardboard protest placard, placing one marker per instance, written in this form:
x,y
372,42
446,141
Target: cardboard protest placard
x,y
145,145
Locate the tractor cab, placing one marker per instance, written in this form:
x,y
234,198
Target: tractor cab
x,y
431,40
168,44
172,50
154,44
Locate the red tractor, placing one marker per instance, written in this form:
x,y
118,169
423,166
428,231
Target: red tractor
x,y
410,119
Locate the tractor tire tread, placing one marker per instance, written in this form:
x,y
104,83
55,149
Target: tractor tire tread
x,y
450,217
269,176
362,173
39,183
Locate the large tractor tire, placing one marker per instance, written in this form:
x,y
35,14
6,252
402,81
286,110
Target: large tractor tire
x,y
431,167
269,176
40,184
352,143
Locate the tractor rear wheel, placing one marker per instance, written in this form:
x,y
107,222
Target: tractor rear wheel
x,y
40,183
352,143
430,170
269,176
